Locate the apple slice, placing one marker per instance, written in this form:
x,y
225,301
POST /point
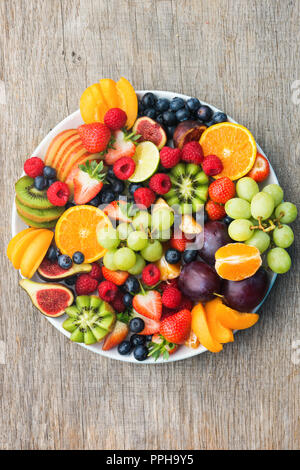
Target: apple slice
x,y
56,143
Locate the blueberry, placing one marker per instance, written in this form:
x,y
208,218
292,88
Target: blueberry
x,y
96,201
189,256
170,131
110,173
125,348
132,285
209,123
205,217
136,325
133,187
69,204
169,118
193,104
50,182
162,105
107,196
40,183
150,112
177,103
49,172
78,257
219,117
108,185
137,340
141,353
160,119
70,281
182,115
127,299
140,108
119,186
172,256
148,338
64,261
227,220
149,100
51,253
204,113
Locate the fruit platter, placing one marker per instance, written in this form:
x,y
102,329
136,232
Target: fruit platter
x,y
149,226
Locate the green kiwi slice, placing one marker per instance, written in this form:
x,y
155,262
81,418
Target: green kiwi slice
x,y
30,196
39,215
31,223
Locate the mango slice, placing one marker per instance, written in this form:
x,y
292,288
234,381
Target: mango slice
x,y
220,333
201,329
92,104
35,253
233,319
22,245
109,92
127,100
15,240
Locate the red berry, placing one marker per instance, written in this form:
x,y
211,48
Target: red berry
x,y
34,167
124,168
160,183
169,157
178,241
150,275
118,303
95,136
176,328
192,153
115,118
58,193
222,190
169,283
144,197
96,272
171,297
85,284
260,170
107,291
214,210
212,165
185,304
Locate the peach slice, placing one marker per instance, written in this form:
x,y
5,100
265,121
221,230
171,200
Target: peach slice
x,y
56,144
22,245
202,331
35,253
221,333
109,92
92,104
234,319
127,100
15,240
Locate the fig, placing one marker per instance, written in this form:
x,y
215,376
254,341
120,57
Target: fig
x,y
150,130
51,271
187,131
51,299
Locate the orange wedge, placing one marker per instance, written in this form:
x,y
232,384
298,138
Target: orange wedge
x,y
92,104
220,333
234,145
201,329
76,231
127,100
15,240
35,253
233,319
237,261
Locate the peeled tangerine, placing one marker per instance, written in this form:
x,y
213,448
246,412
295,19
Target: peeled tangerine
x,y
237,261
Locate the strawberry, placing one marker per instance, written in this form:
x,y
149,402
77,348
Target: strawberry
x,y
148,304
117,335
95,136
260,170
222,190
178,241
177,327
159,346
151,326
117,277
88,182
214,210
123,146
117,210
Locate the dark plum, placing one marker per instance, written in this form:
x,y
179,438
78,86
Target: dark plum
x,y
215,236
245,295
199,281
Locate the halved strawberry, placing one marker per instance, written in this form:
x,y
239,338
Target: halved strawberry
x,y
117,277
151,326
88,182
117,210
148,304
117,335
178,241
159,346
122,146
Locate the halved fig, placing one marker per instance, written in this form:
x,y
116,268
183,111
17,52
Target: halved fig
x,y
187,131
150,131
51,299
51,271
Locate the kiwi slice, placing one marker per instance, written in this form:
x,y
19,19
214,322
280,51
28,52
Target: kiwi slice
x,y
31,223
90,319
30,196
39,215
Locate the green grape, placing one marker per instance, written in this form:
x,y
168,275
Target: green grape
x,y
161,236
108,260
139,265
142,220
246,188
262,205
153,251
289,211
124,230
162,219
283,236
239,230
137,240
124,258
259,239
275,191
238,208
108,238
279,260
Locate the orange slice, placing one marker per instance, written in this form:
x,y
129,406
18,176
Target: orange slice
x,y
92,104
201,329
35,252
234,145
109,92
220,333
127,100
237,261
233,319
13,242
76,231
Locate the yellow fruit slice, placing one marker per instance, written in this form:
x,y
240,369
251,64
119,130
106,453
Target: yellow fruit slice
x,y
109,92
127,100
35,253
231,318
56,143
15,240
92,104
201,329
220,333
22,245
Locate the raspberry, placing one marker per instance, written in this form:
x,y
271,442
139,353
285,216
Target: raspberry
x,y
118,303
171,297
107,291
85,284
58,193
144,197
222,190
115,118
169,157
192,153
150,275
178,242
215,211
212,165
96,272
170,283
160,183
124,168
34,167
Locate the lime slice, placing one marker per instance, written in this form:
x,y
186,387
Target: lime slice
x,y
146,159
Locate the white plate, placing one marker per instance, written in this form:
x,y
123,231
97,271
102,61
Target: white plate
x,y
73,121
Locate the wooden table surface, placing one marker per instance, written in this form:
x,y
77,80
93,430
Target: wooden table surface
x,y
241,56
